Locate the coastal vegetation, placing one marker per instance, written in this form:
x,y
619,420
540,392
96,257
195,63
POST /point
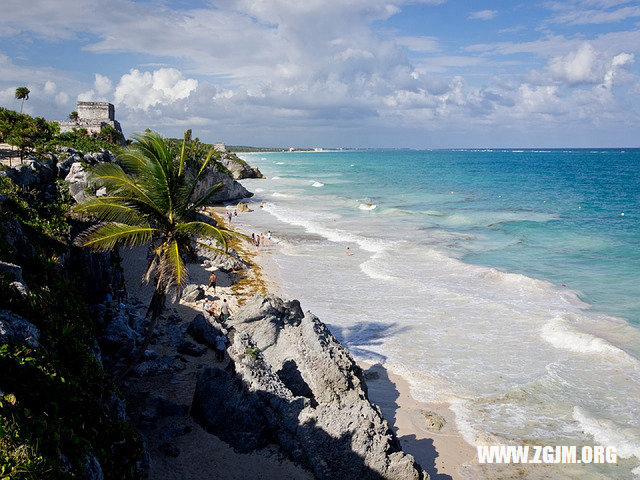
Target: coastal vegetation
x,y
22,93
55,397
37,136
151,201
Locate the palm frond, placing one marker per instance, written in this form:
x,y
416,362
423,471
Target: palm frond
x,y
196,179
117,182
106,236
204,198
212,248
205,230
111,209
187,133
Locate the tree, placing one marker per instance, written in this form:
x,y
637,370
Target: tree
x,y
73,116
22,93
151,201
110,134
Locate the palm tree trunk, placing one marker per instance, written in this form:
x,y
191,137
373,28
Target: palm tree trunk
x,y
21,105
155,308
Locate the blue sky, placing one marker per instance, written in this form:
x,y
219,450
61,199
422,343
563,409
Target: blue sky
x,y
356,73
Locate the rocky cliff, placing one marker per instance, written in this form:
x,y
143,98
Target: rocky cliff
x,y
239,168
290,382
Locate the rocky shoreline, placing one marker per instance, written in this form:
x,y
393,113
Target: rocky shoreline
x,y
287,394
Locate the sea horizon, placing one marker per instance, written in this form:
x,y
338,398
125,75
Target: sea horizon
x,y
529,262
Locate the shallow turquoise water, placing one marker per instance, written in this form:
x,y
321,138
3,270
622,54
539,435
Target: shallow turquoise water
x,y
504,283
554,215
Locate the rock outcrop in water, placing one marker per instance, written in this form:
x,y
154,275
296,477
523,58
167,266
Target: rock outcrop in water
x,y
239,168
290,381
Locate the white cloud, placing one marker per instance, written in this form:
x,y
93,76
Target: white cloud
x,y
102,85
289,68
50,87
587,65
62,99
579,66
579,13
142,90
418,43
618,62
483,15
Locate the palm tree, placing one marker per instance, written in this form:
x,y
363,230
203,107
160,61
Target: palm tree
x,y
151,200
73,116
22,93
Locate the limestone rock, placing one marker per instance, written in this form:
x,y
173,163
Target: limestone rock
x,y
118,337
204,330
16,330
302,388
78,180
239,168
13,271
192,293
157,366
243,208
217,260
91,468
231,190
226,408
31,173
188,348
434,421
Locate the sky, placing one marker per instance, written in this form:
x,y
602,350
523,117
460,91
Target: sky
x,y
329,73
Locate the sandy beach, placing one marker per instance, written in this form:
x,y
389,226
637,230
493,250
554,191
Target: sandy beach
x,y
440,449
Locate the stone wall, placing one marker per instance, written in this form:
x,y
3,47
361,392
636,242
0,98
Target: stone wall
x,y
98,111
92,116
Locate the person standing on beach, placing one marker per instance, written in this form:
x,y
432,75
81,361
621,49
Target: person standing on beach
x,y
224,310
348,252
212,282
221,345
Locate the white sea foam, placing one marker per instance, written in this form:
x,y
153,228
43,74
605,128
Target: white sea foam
x,y
279,163
317,184
258,190
374,268
282,195
332,234
367,206
481,218
275,178
607,432
561,334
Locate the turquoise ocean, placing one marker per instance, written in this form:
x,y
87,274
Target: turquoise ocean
x,y
503,282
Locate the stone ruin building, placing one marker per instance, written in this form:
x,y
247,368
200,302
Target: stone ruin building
x,y
92,116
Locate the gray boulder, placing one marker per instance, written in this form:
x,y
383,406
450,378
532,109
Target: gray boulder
x,y
13,271
78,180
239,168
188,348
304,390
159,365
214,259
15,330
192,293
225,407
231,190
204,330
118,337
31,173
